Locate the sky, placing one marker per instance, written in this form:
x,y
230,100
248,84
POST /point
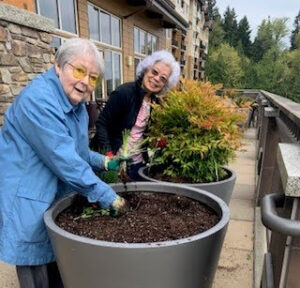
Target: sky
x,y
257,10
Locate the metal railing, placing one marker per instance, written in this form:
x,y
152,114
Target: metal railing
x,y
278,124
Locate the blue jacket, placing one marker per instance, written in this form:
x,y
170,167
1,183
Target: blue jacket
x,y
44,155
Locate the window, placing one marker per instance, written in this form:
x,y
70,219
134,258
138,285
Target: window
x,y
168,33
112,70
144,43
99,91
104,27
63,12
57,41
94,27
187,7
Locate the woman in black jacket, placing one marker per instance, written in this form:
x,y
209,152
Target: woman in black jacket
x,y
128,107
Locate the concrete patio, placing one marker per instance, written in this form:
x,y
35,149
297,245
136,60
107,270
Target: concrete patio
x,y
236,266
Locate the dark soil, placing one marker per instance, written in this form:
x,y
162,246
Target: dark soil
x,y
153,217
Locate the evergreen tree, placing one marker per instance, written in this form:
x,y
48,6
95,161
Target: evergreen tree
x,y
263,40
279,30
230,27
243,34
295,37
211,8
216,35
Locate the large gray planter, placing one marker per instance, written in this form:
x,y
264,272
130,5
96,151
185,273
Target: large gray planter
x,y
222,189
185,263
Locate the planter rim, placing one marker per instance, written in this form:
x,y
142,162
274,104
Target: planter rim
x,y
131,187
232,176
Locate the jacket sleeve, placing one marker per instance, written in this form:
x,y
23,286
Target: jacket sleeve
x,y
109,114
41,123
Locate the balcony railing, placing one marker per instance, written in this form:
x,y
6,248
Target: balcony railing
x,y
278,186
174,43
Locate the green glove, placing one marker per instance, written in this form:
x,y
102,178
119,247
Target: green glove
x,y
119,206
113,163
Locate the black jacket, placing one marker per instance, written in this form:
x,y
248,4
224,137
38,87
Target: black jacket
x,y
119,113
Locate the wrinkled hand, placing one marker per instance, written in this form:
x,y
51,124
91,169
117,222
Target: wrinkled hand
x,y
119,207
113,163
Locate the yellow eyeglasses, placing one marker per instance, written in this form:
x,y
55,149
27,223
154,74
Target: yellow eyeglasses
x,y
80,72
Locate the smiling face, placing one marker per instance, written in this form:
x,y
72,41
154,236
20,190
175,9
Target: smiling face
x,y
76,89
156,77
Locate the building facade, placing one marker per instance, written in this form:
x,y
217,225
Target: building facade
x,y
126,31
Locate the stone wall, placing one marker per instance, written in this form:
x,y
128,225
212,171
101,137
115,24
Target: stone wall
x,y
25,51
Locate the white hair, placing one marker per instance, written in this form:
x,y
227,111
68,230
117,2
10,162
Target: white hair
x,y
160,56
72,48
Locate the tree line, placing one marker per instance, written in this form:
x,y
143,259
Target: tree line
x,y
266,63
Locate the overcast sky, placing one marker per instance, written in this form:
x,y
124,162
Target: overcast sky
x,y
257,10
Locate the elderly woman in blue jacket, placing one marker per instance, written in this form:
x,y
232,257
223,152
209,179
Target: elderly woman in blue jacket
x,y
44,155
129,106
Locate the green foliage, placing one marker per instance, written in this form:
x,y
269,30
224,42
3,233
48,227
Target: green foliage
x,y
266,65
295,37
279,74
108,176
230,27
216,36
89,212
200,132
243,35
269,36
224,66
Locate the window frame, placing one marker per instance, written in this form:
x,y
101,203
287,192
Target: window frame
x,y
105,47
112,71
111,30
59,31
138,53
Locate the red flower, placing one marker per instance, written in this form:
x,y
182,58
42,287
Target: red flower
x,y
162,143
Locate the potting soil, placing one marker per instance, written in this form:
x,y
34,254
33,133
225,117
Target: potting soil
x,y
153,217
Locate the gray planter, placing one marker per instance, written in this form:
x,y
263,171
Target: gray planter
x,y
185,263
222,189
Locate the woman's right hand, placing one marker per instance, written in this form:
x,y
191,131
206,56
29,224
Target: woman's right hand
x,y
113,163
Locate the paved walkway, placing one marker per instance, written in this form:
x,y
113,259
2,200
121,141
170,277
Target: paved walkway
x,y
235,269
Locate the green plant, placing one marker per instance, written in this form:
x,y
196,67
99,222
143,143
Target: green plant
x,y
89,212
199,131
108,176
124,151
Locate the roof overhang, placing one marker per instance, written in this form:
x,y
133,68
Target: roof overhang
x,y
161,9
170,16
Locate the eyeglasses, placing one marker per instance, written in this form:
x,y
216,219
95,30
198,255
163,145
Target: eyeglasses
x,y
163,79
80,72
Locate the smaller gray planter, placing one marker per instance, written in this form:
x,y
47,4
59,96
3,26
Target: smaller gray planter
x,y
222,189
184,263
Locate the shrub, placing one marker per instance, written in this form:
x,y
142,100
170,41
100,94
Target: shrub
x,y
193,133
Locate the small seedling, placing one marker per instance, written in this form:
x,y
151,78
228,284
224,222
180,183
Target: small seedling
x,y
92,212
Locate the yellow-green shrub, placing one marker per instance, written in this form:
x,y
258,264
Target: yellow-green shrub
x,y
198,129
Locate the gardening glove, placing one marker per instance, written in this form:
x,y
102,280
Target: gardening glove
x,y
119,207
113,163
